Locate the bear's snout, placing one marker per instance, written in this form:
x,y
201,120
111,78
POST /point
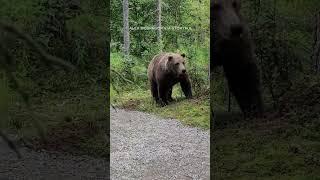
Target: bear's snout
x,y
184,71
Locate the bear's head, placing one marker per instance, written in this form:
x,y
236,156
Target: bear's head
x,y
227,21
176,65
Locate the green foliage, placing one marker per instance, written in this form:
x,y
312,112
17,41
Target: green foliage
x,y
189,14
74,31
282,33
70,30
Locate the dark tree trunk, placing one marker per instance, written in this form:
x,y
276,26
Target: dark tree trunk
x,y
316,45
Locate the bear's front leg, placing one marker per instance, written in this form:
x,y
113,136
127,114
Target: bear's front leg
x,y
169,95
163,95
186,86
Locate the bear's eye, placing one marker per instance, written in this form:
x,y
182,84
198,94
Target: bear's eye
x,y
183,63
177,64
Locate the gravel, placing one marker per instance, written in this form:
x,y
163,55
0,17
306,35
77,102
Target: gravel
x,y
143,146
146,147
49,166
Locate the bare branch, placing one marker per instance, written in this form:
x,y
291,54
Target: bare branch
x,y
10,144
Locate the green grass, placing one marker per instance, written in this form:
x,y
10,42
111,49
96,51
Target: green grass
x,y
73,122
246,154
280,146
193,112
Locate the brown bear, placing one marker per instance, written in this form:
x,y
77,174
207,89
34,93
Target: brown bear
x,y
164,71
232,48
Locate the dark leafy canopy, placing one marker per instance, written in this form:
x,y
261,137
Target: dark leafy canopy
x,y
283,33
70,30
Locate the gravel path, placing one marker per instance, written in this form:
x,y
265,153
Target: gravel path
x,y
49,166
142,147
146,147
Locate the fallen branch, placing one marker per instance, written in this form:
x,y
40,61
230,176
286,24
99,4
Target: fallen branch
x,y
121,76
10,144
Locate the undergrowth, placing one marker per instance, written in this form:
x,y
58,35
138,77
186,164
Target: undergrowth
x,y
282,145
73,119
194,112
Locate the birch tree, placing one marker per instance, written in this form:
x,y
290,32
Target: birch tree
x,y
126,31
159,36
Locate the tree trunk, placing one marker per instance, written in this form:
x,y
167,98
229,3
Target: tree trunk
x,y
159,36
229,101
316,45
126,32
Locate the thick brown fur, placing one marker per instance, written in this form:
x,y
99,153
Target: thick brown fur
x,y
232,48
164,71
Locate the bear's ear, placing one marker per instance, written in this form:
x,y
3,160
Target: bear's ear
x,y
170,58
183,55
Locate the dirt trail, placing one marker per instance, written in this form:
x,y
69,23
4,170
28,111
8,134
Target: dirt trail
x,y
144,146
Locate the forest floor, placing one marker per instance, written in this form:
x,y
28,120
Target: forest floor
x,y
145,146
193,112
74,127
73,122
283,145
